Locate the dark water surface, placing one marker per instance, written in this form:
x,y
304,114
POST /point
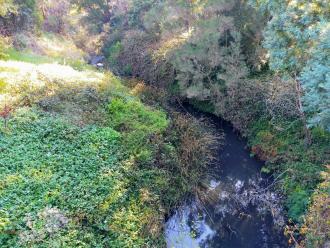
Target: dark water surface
x,y
242,210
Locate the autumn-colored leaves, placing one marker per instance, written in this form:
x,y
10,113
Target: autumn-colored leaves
x,y
5,113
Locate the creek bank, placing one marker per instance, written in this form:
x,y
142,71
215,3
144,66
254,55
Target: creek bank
x,y
239,208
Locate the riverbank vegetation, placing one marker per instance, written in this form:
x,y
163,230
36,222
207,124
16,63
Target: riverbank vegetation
x,y
262,65
84,163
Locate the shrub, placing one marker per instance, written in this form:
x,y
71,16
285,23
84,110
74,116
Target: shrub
x,y
317,225
3,47
297,203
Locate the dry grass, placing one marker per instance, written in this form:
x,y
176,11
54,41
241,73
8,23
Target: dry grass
x,y
196,145
55,88
194,139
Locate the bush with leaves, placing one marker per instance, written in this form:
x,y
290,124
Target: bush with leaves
x,y
297,38
317,227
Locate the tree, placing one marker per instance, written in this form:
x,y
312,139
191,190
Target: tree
x,y
297,39
200,40
16,15
54,14
315,78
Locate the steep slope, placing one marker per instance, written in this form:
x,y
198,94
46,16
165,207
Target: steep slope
x,y
83,162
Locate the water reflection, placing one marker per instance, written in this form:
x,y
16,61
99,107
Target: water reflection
x,y
239,209
236,219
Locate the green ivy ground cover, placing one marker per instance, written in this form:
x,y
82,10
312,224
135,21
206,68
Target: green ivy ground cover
x,y
83,175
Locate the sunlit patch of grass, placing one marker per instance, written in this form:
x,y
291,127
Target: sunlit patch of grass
x,y
63,50
57,46
119,191
54,87
37,59
46,48
27,56
15,73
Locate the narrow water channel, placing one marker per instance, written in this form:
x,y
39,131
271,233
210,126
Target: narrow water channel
x,y
241,210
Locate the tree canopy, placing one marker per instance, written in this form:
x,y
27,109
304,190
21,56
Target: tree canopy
x,y
297,39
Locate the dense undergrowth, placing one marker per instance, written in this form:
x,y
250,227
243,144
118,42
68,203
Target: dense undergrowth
x,y
297,167
286,152
262,65
84,163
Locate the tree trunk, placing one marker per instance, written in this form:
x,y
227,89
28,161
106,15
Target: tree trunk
x,y
308,137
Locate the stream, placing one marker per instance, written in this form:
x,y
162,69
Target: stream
x,y
240,208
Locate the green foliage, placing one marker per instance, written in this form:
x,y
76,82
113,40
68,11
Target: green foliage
x,y
30,57
19,15
210,59
297,38
210,52
88,174
113,53
297,203
88,164
3,85
195,43
203,106
54,15
100,167
13,54
133,115
60,166
316,81
139,124
287,153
